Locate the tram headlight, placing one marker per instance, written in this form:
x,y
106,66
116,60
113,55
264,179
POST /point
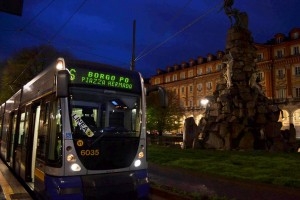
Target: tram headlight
x,y
141,154
71,158
75,167
137,163
60,64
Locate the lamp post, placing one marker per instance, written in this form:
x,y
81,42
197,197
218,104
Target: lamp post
x,y
204,102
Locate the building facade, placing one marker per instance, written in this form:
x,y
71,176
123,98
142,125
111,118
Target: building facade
x,y
278,69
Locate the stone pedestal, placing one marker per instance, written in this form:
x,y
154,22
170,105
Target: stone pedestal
x,y
243,111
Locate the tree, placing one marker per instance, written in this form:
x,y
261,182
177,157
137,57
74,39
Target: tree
x,y
163,119
23,66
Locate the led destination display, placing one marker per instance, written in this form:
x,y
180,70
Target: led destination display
x,y
102,79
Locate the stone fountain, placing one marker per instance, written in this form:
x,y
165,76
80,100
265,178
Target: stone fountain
x,y
239,115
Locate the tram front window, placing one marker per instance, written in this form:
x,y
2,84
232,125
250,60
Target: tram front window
x,y
106,126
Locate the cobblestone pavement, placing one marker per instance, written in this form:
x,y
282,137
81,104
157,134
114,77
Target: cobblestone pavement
x,y
204,185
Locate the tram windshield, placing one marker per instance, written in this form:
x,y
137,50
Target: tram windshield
x,y
107,125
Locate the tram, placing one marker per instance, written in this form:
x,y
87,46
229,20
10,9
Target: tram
x,y
78,131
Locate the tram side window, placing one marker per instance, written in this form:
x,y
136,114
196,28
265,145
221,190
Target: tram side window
x,y
26,128
42,133
21,127
55,134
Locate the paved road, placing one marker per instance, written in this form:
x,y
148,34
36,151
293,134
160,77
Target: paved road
x,y
209,186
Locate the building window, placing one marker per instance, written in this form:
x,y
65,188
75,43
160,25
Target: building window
x,y
208,69
297,94
182,75
174,77
191,88
279,40
219,67
199,71
175,91
182,90
295,35
260,57
209,58
199,87
281,93
295,50
261,76
281,73
209,85
167,79
297,70
279,53
191,74
157,81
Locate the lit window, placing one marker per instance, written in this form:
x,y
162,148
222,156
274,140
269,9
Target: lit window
x,y
174,77
182,75
208,69
199,71
281,93
167,79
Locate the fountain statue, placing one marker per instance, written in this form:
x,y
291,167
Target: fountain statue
x,y
239,115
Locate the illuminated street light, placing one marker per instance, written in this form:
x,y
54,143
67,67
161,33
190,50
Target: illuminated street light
x,y
204,102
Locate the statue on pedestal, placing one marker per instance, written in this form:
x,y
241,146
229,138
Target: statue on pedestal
x,y
241,18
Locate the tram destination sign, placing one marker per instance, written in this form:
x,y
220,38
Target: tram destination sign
x,y
102,78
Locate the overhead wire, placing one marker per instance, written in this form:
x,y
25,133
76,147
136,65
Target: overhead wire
x,y
37,15
51,40
178,32
177,15
68,20
32,19
137,58
55,34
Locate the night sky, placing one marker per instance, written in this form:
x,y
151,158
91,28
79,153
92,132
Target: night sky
x,y
168,32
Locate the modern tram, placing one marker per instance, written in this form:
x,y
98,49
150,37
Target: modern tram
x,y
78,131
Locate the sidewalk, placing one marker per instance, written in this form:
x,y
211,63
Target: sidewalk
x,y
12,189
209,186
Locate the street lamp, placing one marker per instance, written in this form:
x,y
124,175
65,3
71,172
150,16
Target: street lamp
x,y
204,102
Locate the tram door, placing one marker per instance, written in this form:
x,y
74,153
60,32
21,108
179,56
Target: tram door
x,y
26,138
12,136
36,119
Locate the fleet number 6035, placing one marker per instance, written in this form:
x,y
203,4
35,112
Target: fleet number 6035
x,y
90,152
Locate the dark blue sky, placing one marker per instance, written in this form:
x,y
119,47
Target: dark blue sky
x,y
168,32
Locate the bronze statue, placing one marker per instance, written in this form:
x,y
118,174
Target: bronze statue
x,y
241,18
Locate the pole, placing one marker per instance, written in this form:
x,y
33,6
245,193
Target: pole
x,y
132,67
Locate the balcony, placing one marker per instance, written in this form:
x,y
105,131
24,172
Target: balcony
x,y
280,100
280,76
294,99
